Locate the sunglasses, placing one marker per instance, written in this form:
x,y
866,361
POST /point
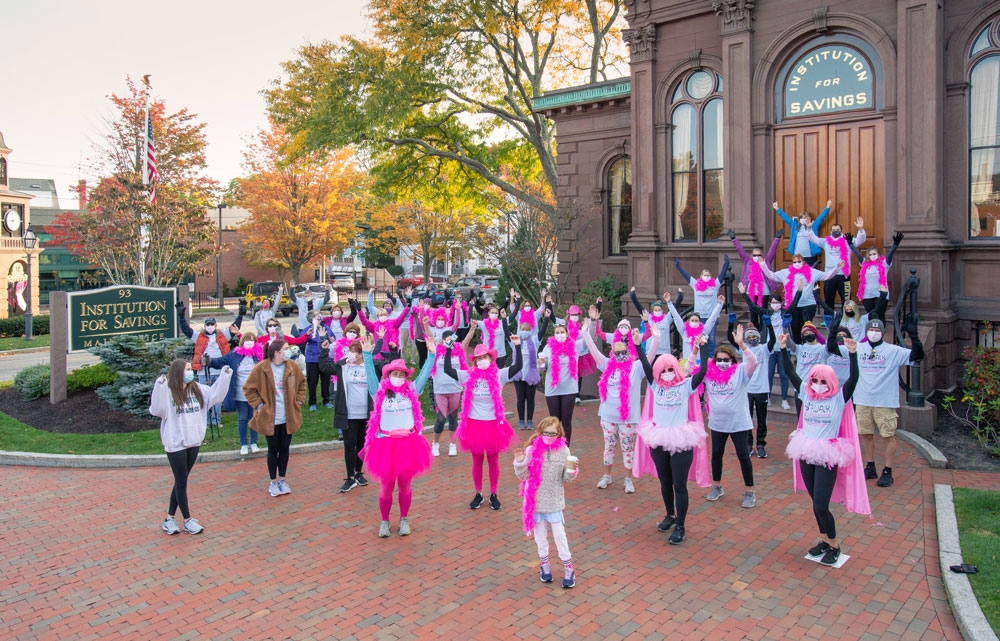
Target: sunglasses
x,y
796,262
817,380
757,255
209,324
723,360
550,434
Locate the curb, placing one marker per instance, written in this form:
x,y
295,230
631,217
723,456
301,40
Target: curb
x,y
26,350
964,605
933,455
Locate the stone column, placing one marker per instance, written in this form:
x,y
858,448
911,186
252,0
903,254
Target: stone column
x,y
735,20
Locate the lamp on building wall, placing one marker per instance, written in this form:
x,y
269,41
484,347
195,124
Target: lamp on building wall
x,y
29,240
218,263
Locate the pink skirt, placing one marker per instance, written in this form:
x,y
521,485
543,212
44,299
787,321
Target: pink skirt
x,y
674,439
388,458
485,437
586,365
831,452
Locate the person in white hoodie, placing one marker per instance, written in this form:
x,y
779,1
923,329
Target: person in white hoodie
x,y
182,406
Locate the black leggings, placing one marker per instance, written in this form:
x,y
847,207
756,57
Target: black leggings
x,y
740,442
354,440
870,308
673,472
800,315
312,377
181,463
277,451
525,400
832,287
421,351
758,402
561,407
819,481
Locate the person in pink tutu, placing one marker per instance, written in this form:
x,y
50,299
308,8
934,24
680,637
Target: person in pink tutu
x,y
672,432
482,429
826,446
395,450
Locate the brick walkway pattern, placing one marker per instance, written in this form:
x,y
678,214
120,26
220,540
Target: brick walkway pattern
x,y
83,557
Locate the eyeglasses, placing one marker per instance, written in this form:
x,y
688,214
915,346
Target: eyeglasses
x,y
757,255
617,353
796,262
550,433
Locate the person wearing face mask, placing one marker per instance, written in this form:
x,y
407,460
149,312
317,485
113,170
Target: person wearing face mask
x,y
382,321
353,406
447,392
526,381
854,321
619,390
798,243
728,413
757,287
528,312
837,356
482,429
873,275
757,388
208,341
308,304
837,248
811,351
672,437
773,319
799,277
266,311
560,358
182,406
276,389
337,322
825,448
705,288
242,359
316,332
395,449
691,330
543,467
273,332
877,397
393,306
493,334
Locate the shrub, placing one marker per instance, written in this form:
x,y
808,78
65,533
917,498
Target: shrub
x,y
241,286
610,289
90,377
137,364
33,382
487,271
981,396
14,326
394,270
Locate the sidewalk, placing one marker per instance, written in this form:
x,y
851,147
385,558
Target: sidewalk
x,y
84,557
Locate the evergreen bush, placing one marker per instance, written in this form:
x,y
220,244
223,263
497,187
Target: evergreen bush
x,y
33,382
137,364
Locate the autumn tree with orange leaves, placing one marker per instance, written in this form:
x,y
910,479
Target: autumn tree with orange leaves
x,y
302,208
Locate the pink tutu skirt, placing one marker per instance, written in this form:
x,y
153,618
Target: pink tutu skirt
x,y
485,437
674,439
586,365
388,458
831,452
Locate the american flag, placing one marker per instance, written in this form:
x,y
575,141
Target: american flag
x,y
149,161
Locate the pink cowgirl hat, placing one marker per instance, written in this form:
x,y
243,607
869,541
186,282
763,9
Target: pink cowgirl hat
x,y
573,309
398,365
482,350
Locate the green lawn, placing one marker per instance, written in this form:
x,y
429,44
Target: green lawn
x,y
18,342
15,436
978,513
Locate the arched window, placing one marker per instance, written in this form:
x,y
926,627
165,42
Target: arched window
x,y
619,205
696,148
984,133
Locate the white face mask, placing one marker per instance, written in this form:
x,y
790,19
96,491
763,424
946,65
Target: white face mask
x,y
247,344
351,335
624,330
494,315
527,309
272,330
668,375
873,257
819,388
707,277
483,363
874,335
440,323
209,329
549,440
560,337
382,317
287,353
337,314
694,323
575,318
353,357
723,366
397,381
657,313
776,306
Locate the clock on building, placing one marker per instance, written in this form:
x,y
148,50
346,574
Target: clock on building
x,y
12,220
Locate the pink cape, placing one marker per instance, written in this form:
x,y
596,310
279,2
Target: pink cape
x,y
850,489
643,464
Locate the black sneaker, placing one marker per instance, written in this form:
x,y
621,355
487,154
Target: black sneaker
x,y
666,524
830,556
494,502
870,472
349,484
360,479
886,479
819,548
477,502
761,452
677,537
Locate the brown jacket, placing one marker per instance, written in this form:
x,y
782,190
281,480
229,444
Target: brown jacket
x,y
259,390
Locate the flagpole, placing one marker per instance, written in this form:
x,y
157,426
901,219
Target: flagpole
x,y
143,228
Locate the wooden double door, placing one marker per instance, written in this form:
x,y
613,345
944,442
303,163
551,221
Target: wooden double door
x,y
842,162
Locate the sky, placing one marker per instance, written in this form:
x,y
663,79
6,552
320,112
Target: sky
x,y
63,58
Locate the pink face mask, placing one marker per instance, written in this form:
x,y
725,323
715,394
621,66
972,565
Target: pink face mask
x,y
397,381
549,440
483,363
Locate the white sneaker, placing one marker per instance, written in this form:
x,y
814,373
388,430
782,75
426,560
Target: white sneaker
x,y
452,450
244,450
604,482
629,486
436,449
254,448
274,489
191,526
283,486
785,405
170,525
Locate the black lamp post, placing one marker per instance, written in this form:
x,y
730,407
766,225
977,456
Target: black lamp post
x,y
29,240
218,264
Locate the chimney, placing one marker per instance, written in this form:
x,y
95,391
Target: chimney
x,y
81,194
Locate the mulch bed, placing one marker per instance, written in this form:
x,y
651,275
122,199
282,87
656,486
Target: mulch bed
x,y
80,413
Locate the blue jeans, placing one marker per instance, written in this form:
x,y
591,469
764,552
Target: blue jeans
x,y
773,361
214,412
243,415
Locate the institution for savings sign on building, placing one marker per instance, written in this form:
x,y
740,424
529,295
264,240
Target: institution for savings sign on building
x,y
96,316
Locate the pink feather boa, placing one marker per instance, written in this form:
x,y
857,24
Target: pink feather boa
x,y
255,352
841,245
755,283
491,325
624,384
717,375
573,329
567,350
456,351
703,284
492,376
375,420
879,264
805,271
536,454
526,317
693,333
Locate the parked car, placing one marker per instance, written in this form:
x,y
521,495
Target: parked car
x,y
437,293
342,282
482,287
319,288
256,293
407,281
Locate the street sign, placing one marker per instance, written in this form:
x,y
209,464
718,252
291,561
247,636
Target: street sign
x,y
98,315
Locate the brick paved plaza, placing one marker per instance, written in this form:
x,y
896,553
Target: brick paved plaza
x,y
83,557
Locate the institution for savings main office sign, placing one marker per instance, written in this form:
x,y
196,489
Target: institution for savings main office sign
x,y
96,316
829,79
